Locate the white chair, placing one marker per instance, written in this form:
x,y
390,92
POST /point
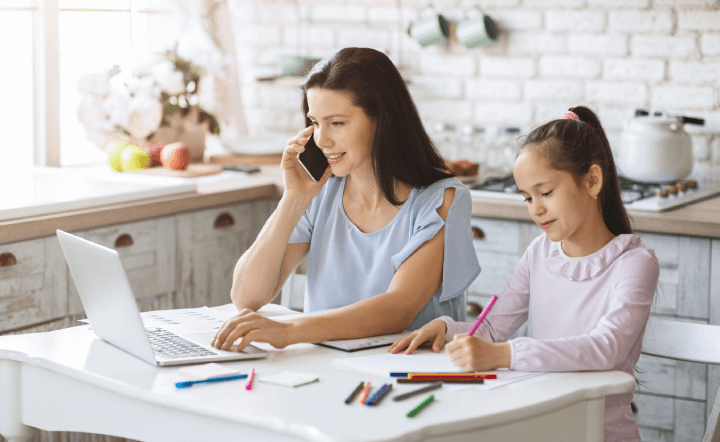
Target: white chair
x,y
684,341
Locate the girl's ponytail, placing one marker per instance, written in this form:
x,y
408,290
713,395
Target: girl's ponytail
x,y
576,144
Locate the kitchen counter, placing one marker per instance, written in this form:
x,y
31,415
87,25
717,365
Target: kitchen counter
x,y
698,219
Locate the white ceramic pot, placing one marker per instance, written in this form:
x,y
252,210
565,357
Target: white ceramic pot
x,y
655,148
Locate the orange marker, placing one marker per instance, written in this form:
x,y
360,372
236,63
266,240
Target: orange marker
x,y
365,394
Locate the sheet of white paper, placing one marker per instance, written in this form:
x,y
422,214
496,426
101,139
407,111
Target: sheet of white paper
x,y
385,364
290,379
185,321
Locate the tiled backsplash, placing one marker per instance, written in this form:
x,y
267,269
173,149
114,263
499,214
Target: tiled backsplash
x,y
615,55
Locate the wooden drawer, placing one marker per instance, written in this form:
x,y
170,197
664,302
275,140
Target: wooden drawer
x,y
503,236
684,284
147,251
33,282
663,419
210,242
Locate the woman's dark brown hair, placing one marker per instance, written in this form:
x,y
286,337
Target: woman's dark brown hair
x,y
574,146
401,150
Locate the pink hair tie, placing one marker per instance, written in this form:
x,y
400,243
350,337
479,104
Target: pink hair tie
x,y
570,115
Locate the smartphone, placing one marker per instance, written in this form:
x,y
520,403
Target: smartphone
x,y
247,168
313,160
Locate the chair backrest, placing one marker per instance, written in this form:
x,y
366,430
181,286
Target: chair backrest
x,y
685,341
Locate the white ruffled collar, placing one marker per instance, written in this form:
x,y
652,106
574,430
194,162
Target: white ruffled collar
x,y
586,267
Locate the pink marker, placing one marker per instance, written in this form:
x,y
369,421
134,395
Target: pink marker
x,y
248,386
484,313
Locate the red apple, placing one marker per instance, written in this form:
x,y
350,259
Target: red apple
x,y
154,150
175,156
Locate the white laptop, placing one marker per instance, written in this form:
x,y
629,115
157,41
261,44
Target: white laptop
x,y
114,317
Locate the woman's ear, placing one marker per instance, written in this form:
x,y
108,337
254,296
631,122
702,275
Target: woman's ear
x,y
594,180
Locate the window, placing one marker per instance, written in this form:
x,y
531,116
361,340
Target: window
x,y
88,36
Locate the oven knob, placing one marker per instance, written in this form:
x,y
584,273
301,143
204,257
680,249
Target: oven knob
x,y
692,184
662,193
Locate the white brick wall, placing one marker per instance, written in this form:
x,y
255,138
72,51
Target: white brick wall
x,y
614,55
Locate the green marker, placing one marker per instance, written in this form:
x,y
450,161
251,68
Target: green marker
x,y
422,405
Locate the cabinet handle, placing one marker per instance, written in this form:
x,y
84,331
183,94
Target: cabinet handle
x,y
478,233
224,220
124,240
7,259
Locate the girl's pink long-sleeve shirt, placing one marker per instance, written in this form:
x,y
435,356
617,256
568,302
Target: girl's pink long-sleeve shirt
x,y
586,313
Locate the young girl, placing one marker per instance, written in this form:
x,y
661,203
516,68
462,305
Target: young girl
x,y
387,236
587,283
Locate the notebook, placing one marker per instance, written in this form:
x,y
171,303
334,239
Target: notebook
x,y
114,317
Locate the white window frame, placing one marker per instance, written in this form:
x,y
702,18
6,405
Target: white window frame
x,y
46,74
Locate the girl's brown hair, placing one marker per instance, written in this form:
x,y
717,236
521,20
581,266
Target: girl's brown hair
x,y
575,145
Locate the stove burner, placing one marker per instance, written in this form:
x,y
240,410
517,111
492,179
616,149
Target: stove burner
x,y
630,190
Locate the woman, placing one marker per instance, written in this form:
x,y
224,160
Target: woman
x,y
386,230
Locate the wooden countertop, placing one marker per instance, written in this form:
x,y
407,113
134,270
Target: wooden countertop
x,y
698,219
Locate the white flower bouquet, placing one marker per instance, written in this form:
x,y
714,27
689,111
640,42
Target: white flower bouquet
x,y
169,99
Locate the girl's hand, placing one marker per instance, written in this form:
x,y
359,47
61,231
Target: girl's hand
x,y
433,331
252,327
475,354
298,183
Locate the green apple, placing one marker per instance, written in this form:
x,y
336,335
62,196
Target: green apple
x,y
133,158
117,147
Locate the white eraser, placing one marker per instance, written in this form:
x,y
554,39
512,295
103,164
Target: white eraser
x,y
205,371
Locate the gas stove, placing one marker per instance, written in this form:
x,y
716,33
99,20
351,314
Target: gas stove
x,y
647,197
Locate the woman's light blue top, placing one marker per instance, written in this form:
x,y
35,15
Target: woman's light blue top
x,y
346,265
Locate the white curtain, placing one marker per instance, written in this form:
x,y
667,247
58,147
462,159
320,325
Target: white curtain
x,y
206,38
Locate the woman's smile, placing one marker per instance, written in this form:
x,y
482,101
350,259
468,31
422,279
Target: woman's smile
x,y
335,158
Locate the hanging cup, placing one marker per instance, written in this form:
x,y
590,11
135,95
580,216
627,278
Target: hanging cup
x,y
478,30
432,29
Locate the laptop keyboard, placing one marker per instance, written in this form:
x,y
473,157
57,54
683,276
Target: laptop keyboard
x,y
168,345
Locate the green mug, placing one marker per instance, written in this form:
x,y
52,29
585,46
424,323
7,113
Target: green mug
x,y
480,30
430,30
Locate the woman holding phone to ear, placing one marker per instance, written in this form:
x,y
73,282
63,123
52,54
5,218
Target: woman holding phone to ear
x,y
386,228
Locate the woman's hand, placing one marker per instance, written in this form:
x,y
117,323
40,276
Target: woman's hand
x,y
252,327
475,354
298,183
433,331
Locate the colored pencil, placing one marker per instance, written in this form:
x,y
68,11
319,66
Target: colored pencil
x,y
422,405
444,381
484,313
248,386
354,393
451,376
410,394
185,384
375,398
365,394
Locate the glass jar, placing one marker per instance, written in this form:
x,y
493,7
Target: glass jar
x,y
472,143
445,139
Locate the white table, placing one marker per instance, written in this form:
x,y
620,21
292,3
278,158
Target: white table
x,y
69,380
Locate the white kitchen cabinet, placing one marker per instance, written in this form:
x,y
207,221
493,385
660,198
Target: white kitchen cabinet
x,y
147,249
33,286
210,242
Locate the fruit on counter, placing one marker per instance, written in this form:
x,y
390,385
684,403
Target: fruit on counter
x,y
154,150
463,168
175,156
117,148
133,158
